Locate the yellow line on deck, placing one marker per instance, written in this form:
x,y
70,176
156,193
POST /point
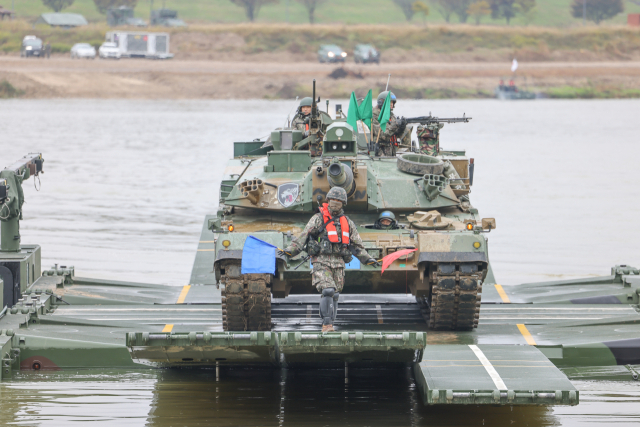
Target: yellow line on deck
x,y
207,241
168,328
525,333
183,294
206,250
502,294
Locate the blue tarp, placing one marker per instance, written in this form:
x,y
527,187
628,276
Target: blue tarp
x,y
258,256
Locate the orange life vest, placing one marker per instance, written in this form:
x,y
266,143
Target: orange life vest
x,y
332,233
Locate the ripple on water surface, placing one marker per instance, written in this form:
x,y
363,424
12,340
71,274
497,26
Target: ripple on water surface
x,y
294,398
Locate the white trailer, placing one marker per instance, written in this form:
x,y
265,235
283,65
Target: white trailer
x,y
140,44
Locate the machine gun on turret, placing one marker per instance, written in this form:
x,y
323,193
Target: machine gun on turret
x,y
429,120
434,124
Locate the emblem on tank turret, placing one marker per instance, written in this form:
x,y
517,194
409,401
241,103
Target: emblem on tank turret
x,y
287,194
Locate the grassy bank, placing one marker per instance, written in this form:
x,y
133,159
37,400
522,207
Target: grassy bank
x,y
528,43
591,92
7,90
547,12
560,92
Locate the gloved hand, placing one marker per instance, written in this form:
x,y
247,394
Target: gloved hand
x,y
305,133
284,252
373,263
401,124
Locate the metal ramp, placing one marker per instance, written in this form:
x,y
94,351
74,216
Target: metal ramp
x,y
353,348
204,348
313,349
491,375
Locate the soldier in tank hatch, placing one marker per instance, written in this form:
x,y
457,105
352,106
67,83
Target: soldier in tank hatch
x,y
301,122
331,239
396,131
386,221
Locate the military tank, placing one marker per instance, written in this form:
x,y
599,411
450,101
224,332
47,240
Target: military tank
x,y
270,191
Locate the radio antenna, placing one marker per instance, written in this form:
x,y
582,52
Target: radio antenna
x,y
289,116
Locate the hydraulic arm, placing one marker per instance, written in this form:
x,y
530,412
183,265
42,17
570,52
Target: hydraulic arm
x,y
12,198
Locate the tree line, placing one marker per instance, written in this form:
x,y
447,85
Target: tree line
x,y
592,10
101,5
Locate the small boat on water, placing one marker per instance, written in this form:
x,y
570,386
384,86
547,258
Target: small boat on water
x,y
511,91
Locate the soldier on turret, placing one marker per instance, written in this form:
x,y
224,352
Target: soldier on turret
x,y
427,141
396,130
301,122
331,239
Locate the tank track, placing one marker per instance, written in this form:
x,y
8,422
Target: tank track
x,y
246,299
454,302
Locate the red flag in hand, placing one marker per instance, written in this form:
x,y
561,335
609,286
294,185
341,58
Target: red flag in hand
x,y
388,260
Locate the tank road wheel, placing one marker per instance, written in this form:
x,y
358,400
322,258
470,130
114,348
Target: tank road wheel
x,y
454,302
246,299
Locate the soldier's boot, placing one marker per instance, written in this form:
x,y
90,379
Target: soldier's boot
x,y
327,309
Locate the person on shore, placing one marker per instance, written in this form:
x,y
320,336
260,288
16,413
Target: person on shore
x,y
330,238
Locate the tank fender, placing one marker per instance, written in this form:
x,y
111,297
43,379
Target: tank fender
x,y
452,247
229,246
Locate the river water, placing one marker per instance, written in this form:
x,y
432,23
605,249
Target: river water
x,y
127,184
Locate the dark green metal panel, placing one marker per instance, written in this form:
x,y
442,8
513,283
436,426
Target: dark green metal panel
x,y
359,348
608,373
288,161
491,374
251,148
55,353
204,348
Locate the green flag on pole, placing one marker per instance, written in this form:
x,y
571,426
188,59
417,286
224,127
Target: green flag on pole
x,y
354,113
366,110
385,112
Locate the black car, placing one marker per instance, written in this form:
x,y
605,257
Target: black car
x,y
33,46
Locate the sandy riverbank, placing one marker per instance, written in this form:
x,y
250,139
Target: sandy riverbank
x,y
61,77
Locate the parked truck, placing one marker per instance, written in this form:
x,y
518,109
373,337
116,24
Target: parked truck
x,y
136,44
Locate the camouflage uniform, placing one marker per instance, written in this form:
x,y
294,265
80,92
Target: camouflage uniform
x,y
428,141
299,124
328,269
385,145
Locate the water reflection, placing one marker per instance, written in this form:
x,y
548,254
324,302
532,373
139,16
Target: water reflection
x,y
168,398
182,397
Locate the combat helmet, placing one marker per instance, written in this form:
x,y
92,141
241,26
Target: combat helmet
x,y
306,102
386,215
383,96
338,193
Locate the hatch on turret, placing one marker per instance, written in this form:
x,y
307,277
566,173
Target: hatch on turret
x,y
285,139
